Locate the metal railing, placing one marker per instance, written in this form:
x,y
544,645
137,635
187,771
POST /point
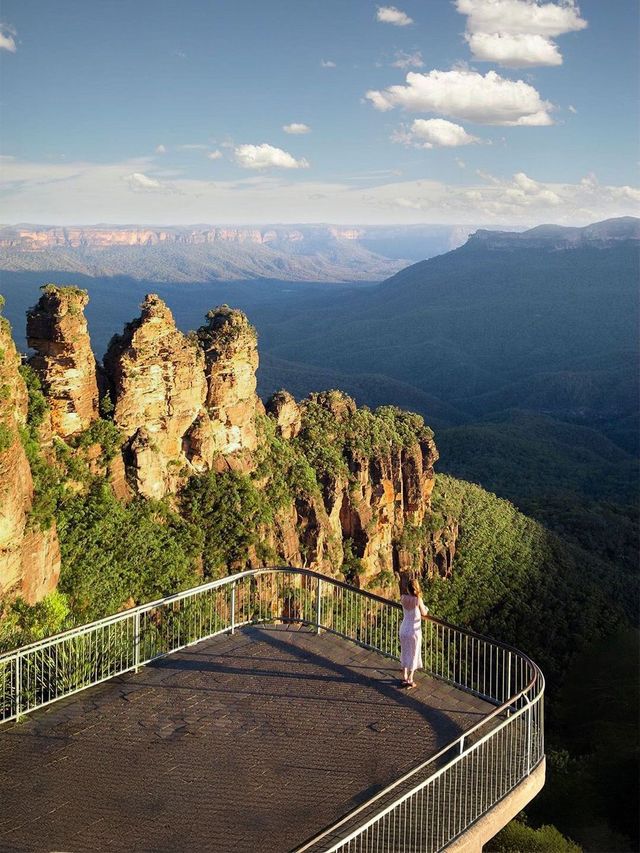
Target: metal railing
x,y
424,810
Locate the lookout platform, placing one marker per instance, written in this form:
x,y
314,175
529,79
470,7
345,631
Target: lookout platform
x,y
252,741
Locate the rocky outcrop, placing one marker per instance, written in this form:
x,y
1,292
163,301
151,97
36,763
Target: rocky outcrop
x,y
185,404
384,494
343,490
286,412
158,391
230,348
29,556
57,331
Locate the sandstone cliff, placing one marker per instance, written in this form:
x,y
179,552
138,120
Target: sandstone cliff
x,y
340,489
184,404
57,331
29,556
159,389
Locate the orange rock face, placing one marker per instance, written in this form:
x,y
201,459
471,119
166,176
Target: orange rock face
x,y
230,348
29,557
57,331
159,390
185,404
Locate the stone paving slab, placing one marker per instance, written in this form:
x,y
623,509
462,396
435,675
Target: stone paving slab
x,y
243,743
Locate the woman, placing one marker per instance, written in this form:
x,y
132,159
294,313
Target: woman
x,y
414,611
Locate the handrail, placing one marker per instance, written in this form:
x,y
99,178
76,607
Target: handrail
x,y
47,670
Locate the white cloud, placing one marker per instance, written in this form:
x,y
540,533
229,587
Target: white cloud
x,y
517,17
572,109
296,128
266,156
408,60
140,182
514,51
193,146
80,192
434,133
215,155
460,163
7,38
518,33
161,149
467,95
327,63
391,15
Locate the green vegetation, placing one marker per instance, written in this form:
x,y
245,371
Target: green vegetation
x,y
228,510
112,553
102,432
21,624
517,837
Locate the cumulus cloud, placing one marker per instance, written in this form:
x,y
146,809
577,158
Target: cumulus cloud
x,y
467,95
514,51
434,133
215,155
139,182
327,63
161,149
7,38
266,156
572,109
521,16
518,33
391,15
408,60
296,128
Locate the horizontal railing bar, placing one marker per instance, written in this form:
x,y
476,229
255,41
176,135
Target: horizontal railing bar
x,y
234,578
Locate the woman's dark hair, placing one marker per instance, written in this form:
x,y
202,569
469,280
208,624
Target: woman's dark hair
x,y
413,587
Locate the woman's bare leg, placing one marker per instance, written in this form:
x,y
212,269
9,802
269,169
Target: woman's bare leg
x,y
410,678
405,673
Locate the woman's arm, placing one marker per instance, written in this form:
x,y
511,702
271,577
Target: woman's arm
x,y
424,610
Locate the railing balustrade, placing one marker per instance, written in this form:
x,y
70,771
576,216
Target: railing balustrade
x,y
424,810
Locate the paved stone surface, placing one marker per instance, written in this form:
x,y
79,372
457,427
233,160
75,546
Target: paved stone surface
x,y
252,742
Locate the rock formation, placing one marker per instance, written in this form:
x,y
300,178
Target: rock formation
x,y
29,556
230,349
159,389
352,487
185,404
57,331
286,412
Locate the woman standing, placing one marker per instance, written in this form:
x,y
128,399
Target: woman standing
x,y
414,611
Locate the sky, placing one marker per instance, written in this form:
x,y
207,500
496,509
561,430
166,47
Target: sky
x,y
243,112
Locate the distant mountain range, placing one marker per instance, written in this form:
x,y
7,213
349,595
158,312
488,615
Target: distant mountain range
x,y
206,253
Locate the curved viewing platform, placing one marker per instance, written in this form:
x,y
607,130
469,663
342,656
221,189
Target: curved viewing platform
x,y
268,718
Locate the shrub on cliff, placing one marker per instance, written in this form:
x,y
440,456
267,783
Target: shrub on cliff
x,y
228,509
112,552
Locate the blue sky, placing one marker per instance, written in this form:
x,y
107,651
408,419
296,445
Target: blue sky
x,y
460,111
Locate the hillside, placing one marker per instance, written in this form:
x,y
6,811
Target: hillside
x,y
167,453
205,253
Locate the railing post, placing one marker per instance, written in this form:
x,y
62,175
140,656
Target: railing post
x,y
461,744
233,607
136,643
18,685
318,606
529,734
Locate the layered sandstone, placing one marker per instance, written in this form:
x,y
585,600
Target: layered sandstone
x,y
286,412
184,404
57,331
29,556
159,389
230,348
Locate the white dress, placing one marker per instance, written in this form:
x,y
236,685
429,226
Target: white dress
x,y
411,632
